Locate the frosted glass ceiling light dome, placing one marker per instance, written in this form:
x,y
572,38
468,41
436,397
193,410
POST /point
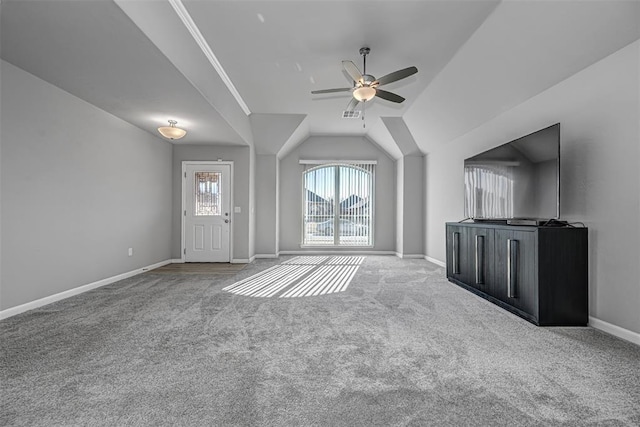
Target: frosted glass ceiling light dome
x,y
364,93
171,131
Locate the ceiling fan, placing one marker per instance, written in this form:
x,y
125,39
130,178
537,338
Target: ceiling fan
x,y
366,86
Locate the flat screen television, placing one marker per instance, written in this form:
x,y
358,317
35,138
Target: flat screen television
x,y
519,180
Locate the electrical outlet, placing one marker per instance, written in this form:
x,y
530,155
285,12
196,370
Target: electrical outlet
x,y
130,251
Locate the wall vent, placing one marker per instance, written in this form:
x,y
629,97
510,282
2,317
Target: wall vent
x,y
354,114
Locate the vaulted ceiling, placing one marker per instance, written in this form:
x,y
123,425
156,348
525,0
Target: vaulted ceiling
x,y
241,72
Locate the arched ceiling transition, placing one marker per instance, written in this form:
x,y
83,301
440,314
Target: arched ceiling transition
x,y
241,72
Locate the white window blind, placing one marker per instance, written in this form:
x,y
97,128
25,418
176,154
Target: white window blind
x,y
338,203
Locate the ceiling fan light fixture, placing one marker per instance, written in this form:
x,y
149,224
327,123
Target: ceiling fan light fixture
x,y
364,93
171,131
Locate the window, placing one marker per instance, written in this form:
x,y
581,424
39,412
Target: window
x,y
206,201
338,204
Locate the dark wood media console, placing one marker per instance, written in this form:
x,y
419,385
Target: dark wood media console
x,y
539,273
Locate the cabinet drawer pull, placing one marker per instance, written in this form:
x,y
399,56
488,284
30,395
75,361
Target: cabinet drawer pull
x,y
512,268
479,260
456,253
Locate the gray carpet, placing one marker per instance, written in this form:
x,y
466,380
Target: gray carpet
x,y
401,346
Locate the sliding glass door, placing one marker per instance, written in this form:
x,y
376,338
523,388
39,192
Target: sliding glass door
x,y
338,204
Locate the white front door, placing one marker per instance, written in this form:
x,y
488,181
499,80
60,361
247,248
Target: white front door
x,y
207,214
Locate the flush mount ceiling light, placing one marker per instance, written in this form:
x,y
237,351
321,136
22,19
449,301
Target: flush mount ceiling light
x,y
171,131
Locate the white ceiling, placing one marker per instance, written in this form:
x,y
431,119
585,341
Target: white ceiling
x,y
272,62
139,61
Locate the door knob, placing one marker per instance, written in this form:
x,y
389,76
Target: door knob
x,y
226,221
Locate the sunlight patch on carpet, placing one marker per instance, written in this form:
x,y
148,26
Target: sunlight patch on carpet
x,y
301,276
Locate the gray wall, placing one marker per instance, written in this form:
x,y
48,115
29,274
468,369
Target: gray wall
x,y
412,220
332,148
252,202
399,201
79,187
266,205
600,174
242,226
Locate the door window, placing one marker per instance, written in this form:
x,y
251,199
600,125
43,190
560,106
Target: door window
x,y
208,196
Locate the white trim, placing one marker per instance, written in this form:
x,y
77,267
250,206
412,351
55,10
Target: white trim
x,y
240,261
334,252
436,261
348,162
409,256
183,244
328,247
76,291
270,256
612,329
177,261
188,22
183,206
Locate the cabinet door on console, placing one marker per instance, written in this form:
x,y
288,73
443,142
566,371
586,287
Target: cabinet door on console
x,y
515,277
459,258
481,247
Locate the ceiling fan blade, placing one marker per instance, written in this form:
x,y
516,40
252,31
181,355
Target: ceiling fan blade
x,y
352,105
342,89
397,75
352,70
389,96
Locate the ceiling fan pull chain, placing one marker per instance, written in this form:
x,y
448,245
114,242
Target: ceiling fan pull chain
x,y
364,106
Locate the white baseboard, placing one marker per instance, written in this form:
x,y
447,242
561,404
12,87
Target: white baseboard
x,y
409,256
334,252
233,261
614,330
436,261
75,291
257,256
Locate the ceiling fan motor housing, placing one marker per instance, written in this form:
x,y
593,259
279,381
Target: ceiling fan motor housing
x,y
367,79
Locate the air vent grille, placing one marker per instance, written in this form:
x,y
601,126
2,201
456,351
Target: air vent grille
x,y
354,114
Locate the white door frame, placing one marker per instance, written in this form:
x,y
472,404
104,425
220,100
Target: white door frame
x,y
184,202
